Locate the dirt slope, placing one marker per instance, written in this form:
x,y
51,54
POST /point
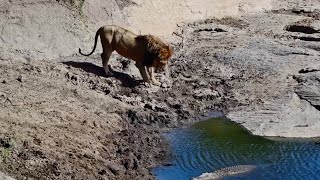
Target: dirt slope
x,y
49,29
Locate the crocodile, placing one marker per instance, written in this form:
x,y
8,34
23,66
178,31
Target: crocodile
x,y
228,171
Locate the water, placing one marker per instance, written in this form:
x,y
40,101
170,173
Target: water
x,y
217,143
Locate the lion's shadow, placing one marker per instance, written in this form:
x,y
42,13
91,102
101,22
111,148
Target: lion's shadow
x,y
125,79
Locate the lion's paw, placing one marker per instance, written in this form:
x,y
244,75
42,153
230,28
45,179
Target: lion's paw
x,y
147,84
157,83
109,74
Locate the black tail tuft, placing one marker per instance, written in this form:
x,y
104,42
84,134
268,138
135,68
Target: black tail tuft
x,y
82,53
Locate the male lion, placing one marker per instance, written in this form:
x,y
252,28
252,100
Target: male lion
x,y
148,51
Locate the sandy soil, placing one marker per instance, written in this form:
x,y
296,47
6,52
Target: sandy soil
x,y
61,118
188,10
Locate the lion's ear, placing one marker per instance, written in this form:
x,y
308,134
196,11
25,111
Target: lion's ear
x,y
170,51
141,37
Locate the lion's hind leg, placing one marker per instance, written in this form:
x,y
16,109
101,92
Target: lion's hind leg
x,y
105,56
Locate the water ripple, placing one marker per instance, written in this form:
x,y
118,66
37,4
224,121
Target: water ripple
x,y
218,143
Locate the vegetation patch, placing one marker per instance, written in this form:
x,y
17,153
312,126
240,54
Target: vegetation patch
x,y
76,5
7,145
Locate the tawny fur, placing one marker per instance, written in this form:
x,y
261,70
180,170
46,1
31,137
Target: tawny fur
x,y
148,51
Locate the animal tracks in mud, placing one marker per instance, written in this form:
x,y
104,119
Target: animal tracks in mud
x,y
301,28
299,12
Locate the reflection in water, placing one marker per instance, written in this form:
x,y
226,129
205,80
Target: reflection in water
x,y
217,143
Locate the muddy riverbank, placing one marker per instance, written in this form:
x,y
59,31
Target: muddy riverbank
x,y
63,119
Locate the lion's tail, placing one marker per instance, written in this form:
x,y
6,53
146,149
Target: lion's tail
x,y
95,44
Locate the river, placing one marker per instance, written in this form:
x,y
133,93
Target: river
x,y
218,143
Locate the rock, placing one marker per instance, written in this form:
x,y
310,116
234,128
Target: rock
x,y
115,168
177,106
132,116
308,70
152,89
149,106
165,81
5,177
74,77
130,163
134,100
20,78
160,108
203,83
205,93
308,88
165,85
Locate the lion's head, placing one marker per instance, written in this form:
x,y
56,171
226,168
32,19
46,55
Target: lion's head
x,y
157,52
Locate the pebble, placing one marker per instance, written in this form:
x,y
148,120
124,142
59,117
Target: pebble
x,y
20,78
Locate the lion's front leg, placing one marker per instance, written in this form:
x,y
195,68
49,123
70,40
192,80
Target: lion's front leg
x,y
143,73
151,74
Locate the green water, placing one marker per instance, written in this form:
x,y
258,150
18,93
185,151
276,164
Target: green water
x,y
217,143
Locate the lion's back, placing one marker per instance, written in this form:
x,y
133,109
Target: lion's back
x,y
124,42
